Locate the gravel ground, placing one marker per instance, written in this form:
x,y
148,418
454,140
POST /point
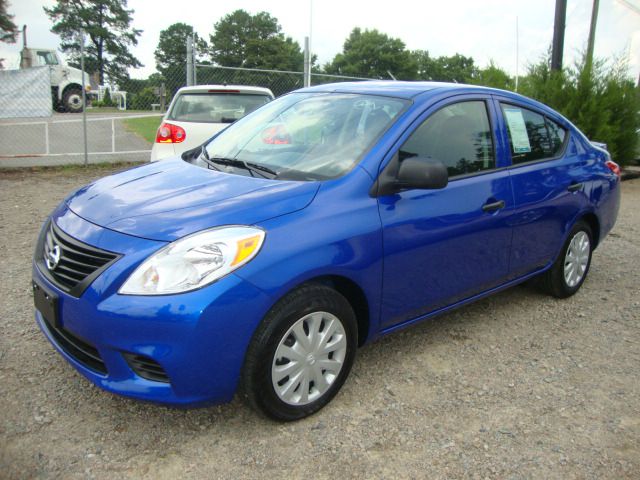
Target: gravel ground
x,y
519,385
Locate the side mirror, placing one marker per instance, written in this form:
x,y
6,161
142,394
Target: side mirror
x,y
413,172
422,173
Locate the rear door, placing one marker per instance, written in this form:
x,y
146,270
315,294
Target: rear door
x,y
548,174
442,246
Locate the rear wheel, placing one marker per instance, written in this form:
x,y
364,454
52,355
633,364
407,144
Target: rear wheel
x,y
301,354
570,269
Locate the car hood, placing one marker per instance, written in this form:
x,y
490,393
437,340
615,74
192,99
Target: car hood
x,y
170,199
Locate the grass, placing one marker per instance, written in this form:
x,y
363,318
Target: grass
x,y
71,168
145,127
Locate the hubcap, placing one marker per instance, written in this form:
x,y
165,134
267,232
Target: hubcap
x,y
309,358
75,100
576,259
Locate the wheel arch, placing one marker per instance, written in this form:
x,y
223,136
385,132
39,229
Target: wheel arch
x,y
68,87
591,219
355,296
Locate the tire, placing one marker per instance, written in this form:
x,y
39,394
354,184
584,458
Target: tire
x,y
570,269
72,100
283,386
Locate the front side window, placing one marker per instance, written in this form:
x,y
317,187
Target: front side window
x,y
457,135
215,107
308,136
531,135
47,58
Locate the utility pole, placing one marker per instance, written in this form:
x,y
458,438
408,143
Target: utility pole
x,y
558,35
592,31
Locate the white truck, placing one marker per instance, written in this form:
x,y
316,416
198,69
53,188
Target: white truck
x,y
66,81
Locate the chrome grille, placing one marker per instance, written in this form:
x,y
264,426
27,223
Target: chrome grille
x,y
70,264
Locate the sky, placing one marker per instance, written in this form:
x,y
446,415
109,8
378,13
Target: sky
x,y
484,30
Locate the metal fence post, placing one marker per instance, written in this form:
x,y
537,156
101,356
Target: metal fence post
x,y
307,63
84,102
189,61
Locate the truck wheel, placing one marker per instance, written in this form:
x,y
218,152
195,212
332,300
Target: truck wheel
x,y
72,100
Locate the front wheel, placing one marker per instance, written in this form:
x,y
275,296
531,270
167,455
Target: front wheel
x,y
301,354
570,269
72,100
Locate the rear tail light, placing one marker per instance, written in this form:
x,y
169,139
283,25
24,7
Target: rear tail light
x,y
614,167
170,133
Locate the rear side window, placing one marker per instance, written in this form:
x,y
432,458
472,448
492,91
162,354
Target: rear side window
x,y
531,135
457,135
215,107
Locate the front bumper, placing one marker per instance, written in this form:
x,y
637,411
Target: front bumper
x,y
198,338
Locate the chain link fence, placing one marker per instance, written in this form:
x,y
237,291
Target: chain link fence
x,y
37,126
278,81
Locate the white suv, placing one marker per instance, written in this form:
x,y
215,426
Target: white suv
x,y
198,113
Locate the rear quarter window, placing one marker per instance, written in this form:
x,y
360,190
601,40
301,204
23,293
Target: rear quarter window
x,y
532,136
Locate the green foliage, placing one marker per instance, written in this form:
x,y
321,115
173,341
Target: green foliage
x,y
8,29
373,54
107,23
456,68
172,46
254,41
143,99
493,76
599,98
106,99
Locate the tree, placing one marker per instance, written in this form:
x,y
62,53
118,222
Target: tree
x,y
599,97
373,54
493,76
254,41
8,29
172,46
457,68
107,23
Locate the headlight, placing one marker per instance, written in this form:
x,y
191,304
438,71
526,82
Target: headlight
x,y
195,261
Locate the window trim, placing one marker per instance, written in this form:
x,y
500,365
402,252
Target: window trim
x,y
486,101
546,117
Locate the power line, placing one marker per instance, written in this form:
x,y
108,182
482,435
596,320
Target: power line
x,y
630,5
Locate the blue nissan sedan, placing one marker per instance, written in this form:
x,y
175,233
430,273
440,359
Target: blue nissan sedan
x,y
260,261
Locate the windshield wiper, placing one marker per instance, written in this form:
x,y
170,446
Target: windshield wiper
x,y
250,167
204,155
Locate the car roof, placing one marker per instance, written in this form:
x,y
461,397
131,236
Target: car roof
x,y
403,89
409,90
246,89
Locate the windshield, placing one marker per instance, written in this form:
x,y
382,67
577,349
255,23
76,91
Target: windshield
x,y
308,136
215,107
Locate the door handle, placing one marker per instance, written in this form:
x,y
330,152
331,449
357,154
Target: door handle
x,y
492,207
574,187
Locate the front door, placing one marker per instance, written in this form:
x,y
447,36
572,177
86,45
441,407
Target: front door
x,y
442,246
